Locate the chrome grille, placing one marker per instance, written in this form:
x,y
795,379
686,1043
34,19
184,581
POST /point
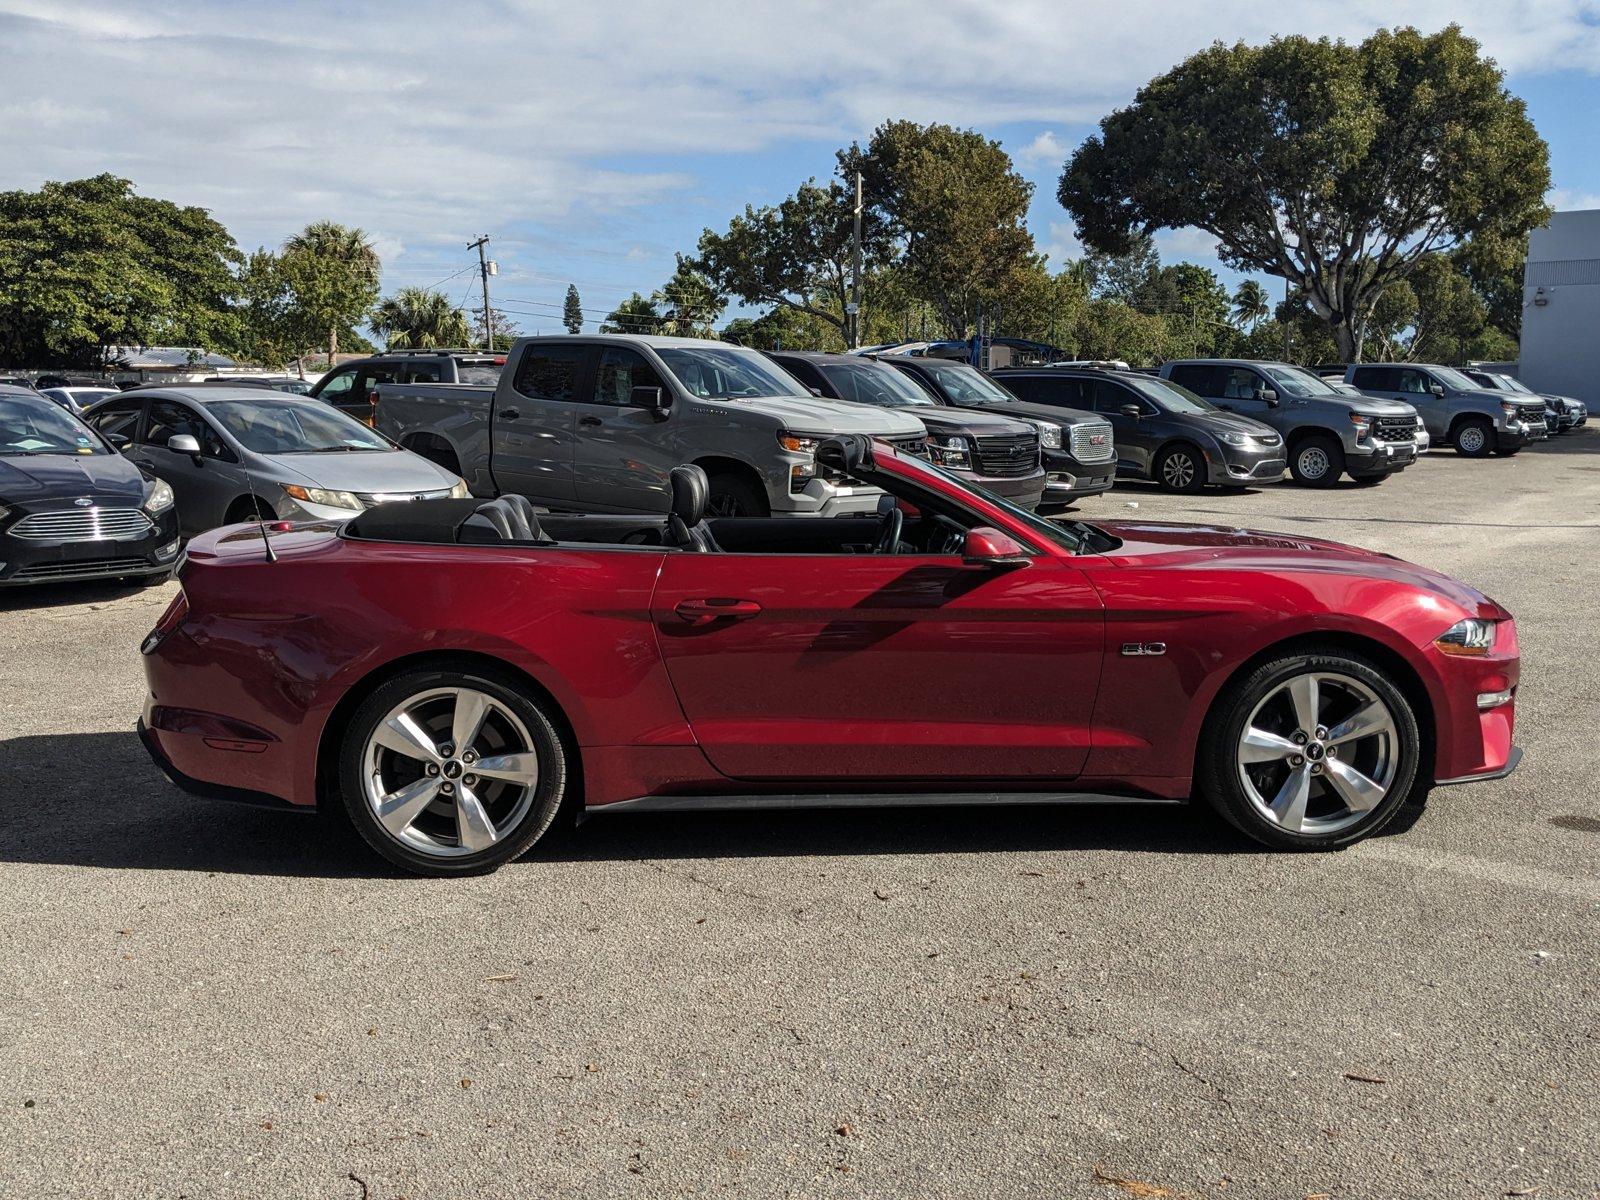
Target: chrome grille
x,y
1085,447
1008,457
371,498
83,525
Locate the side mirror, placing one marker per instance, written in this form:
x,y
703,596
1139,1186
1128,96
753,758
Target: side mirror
x,y
184,443
657,400
1436,388
817,392
1130,410
117,440
989,549
1268,396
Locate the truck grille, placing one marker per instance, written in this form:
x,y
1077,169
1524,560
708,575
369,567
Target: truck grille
x,y
1008,457
1394,429
1092,442
1532,412
83,525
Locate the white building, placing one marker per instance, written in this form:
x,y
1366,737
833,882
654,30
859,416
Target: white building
x,y
1561,308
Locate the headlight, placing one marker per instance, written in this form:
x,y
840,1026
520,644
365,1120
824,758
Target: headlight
x,y
1235,439
461,491
1049,435
953,452
323,496
1508,407
1473,637
799,443
160,498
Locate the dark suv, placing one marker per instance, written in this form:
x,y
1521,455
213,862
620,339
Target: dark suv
x,y
998,453
1079,457
1164,432
353,386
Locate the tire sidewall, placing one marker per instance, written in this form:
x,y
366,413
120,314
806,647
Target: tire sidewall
x,y
1330,450
1218,774
1484,450
1196,484
535,822
751,500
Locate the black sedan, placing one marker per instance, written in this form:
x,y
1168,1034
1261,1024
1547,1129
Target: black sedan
x,y
71,506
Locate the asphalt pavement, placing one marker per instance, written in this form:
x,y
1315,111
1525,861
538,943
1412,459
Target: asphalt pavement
x,y
206,1001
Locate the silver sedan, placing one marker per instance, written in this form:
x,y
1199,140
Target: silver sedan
x,y
233,453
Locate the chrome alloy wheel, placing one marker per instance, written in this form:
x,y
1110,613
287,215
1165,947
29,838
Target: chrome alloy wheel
x,y
1314,462
449,771
1178,471
1318,753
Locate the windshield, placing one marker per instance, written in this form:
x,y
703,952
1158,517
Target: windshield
x,y
868,382
291,427
1455,379
1298,381
31,425
728,373
1164,394
1044,528
1510,383
965,383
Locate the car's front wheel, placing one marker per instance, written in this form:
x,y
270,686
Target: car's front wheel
x,y
451,772
1318,462
1310,751
1181,468
1474,438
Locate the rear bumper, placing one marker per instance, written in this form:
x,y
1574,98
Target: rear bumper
x,y
209,791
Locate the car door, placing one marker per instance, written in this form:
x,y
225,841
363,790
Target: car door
x,y
867,667
1411,385
339,390
622,454
533,426
203,489
1242,389
118,422
1135,436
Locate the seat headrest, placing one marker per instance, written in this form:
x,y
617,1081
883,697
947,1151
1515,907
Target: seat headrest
x,y
691,490
507,519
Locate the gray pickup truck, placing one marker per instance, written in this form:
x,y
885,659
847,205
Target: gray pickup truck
x,y
1328,434
1475,420
596,423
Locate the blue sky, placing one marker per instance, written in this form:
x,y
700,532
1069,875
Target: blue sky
x,y
593,141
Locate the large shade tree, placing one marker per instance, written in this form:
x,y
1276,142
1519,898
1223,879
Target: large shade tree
x,y
1338,167
332,272
419,319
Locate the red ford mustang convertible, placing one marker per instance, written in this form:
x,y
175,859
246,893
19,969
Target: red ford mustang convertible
x,y
451,673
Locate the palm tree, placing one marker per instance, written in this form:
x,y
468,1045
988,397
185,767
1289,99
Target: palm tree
x,y
1250,304
418,319
636,314
354,270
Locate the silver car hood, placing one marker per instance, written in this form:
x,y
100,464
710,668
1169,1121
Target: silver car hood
x,y
371,471
801,414
1380,406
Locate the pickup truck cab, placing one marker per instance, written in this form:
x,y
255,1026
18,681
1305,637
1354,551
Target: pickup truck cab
x,y
998,453
595,423
1327,434
1477,421
353,387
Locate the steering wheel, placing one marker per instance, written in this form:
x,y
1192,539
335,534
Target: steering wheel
x,y
889,526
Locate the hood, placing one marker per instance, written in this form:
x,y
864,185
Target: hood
x,y
1378,406
1218,547
945,419
801,414
107,479
366,471
1227,422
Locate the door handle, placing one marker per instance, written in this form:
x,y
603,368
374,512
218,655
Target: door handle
x,y
715,608
590,421
510,414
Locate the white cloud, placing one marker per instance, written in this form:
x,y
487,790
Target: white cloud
x,y
1046,150
1185,245
1062,245
1571,199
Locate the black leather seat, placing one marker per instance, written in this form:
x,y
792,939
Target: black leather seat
x,y
687,527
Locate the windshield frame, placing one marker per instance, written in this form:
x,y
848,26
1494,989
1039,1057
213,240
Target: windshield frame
x,y
219,410
1319,386
1038,527
1468,384
964,371
758,366
909,392
1161,391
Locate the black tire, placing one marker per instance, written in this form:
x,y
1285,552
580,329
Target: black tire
x,y
1317,461
1473,438
537,812
249,508
1218,769
437,453
1172,475
736,496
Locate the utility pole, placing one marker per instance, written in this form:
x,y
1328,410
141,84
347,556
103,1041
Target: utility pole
x,y
854,307
486,269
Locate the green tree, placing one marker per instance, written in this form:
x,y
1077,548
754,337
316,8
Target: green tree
x,y
263,329
952,199
506,331
795,255
88,264
1250,304
690,303
332,272
419,319
572,310
636,314
1334,166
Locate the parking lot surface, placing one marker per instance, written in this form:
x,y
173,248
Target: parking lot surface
x,y
202,1000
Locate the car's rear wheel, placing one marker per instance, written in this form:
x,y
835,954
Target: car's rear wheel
x,y
1181,468
1318,462
1473,438
1310,751
735,496
451,772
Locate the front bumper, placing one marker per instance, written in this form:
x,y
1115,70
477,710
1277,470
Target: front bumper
x,y
25,561
1236,466
1067,478
1026,490
1380,458
822,498
1513,435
